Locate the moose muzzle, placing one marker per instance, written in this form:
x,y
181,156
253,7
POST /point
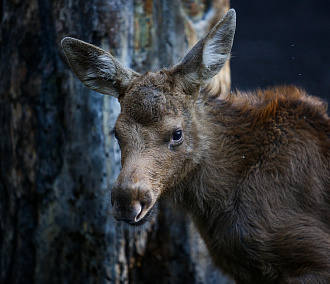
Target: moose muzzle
x,y
131,201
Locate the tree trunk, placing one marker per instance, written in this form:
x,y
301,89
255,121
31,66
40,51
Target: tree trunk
x,y
57,161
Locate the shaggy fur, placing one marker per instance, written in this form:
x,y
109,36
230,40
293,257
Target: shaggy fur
x,y
251,169
260,196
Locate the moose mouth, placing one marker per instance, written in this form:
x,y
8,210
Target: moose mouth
x,y
144,220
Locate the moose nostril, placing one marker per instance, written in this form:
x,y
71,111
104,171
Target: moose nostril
x,y
129,214
137,209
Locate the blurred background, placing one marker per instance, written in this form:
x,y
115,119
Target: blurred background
x,y
57,161
282,42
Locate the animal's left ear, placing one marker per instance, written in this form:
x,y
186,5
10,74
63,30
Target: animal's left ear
x,y
209,55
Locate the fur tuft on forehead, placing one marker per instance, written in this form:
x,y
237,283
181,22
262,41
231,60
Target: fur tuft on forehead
x,y
150,98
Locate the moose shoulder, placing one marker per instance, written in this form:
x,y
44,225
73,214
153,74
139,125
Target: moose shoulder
x,y
252,169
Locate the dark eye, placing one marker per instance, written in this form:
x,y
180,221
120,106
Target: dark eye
x,y
177,135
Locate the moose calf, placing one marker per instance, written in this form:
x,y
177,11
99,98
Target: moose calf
x,y
251,169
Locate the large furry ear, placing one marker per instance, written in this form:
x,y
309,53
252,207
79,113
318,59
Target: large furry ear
x,y
209,55
96,68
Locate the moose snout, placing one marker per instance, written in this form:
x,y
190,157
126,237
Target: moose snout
x,y
130,202
128,214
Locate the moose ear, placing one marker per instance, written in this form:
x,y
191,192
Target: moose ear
x,y
209,55
96,68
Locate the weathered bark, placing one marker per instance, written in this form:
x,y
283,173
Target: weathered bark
x,y
57,161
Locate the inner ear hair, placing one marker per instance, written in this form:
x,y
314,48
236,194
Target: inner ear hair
x,y
209,55
96,68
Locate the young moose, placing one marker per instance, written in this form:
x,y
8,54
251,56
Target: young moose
x,y
251,169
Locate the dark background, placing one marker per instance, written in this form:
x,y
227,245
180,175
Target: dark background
x,y
282,42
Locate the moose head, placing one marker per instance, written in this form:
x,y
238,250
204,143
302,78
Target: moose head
x,y
159,130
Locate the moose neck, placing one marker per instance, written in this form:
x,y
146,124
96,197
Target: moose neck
x,y
209,189
211,192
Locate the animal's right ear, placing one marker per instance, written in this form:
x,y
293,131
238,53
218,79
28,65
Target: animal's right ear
x,y
96,68
209,55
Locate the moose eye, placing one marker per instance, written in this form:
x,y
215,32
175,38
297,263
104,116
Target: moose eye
x,y
177,135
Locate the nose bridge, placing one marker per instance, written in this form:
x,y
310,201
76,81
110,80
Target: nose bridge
x,y
137,166
133,170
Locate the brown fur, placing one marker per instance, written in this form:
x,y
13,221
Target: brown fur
x,y
251,169
264,187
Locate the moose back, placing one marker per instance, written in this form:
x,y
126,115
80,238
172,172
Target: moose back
x,y
251,169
